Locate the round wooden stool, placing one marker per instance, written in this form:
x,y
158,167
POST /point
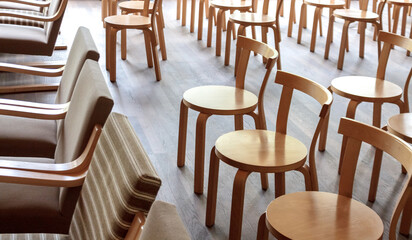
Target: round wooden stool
x,y
120,22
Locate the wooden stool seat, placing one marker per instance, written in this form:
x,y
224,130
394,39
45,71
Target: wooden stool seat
x,y
128,21
401,126
355,15
250,19
240,5
261,151
221,100
134,6
366,89
325,3
321,215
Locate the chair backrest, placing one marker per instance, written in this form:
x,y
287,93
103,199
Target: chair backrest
x,y
56,11
121,182
146,4
356,133
91,104
321,94
83,48
244,47
265,9
389,40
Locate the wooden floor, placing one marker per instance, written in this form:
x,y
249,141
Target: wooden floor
x,y
153,109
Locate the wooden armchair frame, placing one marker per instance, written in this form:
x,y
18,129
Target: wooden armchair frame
x,y
52,18
30,3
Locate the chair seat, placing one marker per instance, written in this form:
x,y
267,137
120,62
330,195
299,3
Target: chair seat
x,y
252,18
128,21
401,126
223,100
231,4
366,89
261,151
24,137
134,6
326,3
322,215
355,15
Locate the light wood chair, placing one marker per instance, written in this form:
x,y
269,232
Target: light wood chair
x,y
373,90
137,7
322,215
363,16
142,22
267,151
220,21
224,100
245,19
319,6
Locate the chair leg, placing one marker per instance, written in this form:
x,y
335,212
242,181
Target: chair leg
x,y
389,18
375,175
240,32
219,31
350,113
181,146
108,31
302,13
212,189
291,17
315,28
228,42
329,37
200,20
276,35
279,184
404,16
210,28
406,218
320,22
113,33
155,55
377,113
262,233
184,8
343,44
309,186
264,32
362,26
161,35
148,49
396,10
200,152
179,3
192,16
238,122
207,8
238,199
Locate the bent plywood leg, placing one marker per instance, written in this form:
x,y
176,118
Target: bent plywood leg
x,y
179,3
108,47
212,188
200,20
350,113
239,122
362,26
161,35
291,17
302,13
219,31
181,146
314,29
155,55
192,16
112,54
276,35
324,134
148,49
240,32
228,42
184,8
262,233
329,36
123,44
306,172
210,26
200,152
343,44
375,175
279,184
238,199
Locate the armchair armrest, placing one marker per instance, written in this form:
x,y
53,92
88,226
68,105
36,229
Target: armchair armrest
x,y
76,167
19,103
37,71
28,112
30,3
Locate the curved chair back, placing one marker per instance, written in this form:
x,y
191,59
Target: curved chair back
x,y
356,133
321,94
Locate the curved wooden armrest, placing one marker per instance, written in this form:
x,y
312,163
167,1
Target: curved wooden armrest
x,y
19,111
37,71
30,3
19,103
41,179
136,227
56,16
78,166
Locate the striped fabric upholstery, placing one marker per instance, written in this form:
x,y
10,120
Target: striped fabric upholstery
x,y
121,181
20,21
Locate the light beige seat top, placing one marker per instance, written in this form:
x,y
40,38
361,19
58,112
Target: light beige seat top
x,y
355,14
256,18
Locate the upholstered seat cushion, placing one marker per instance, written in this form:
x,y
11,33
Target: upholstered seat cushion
x,y
21,21
19,39
27,137
32,208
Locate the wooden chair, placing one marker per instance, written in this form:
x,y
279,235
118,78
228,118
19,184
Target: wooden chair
x,y
220,21
83,48
397,6
338,215
50,209
224,100
142,22
266,151
362,16
20,39
319,5
245,19
373,90
137,7
118,191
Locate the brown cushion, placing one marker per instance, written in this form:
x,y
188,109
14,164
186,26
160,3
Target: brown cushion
x,y
27,137
21,21
163,222
34,236
33,209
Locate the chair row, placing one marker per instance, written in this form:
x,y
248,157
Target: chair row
x,y
274,151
